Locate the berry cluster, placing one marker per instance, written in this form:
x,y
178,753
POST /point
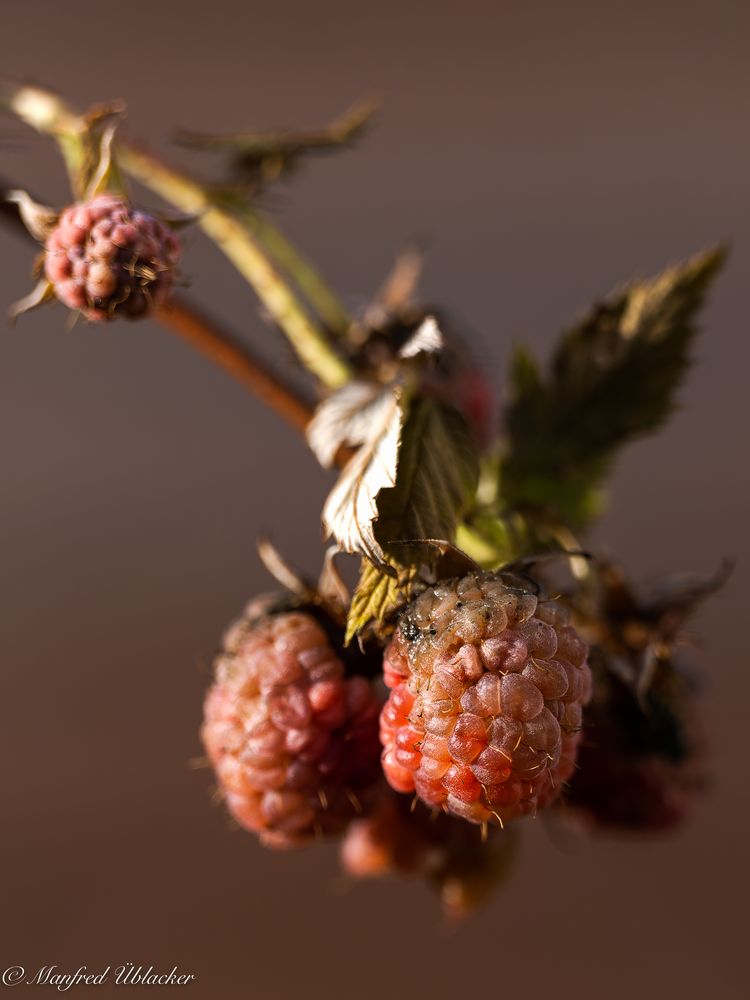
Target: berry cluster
x,y
487,686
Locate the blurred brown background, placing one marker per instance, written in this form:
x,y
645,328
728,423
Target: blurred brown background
x,y
547,151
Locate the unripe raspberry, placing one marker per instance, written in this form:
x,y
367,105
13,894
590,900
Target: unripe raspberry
x,y
293,740
488,685
108,259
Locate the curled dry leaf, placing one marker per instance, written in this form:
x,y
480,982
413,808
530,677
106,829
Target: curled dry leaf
x,y
351,507
102,166
399,288
426,339
40,220
263,157
331,586
282,572
42,293
92,138
395,298
346,417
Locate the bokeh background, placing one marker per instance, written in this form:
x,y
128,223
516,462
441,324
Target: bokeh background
x,y
546,152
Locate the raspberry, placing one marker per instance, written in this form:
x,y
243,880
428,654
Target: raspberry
x,y
640,766
107,259
389,840
293,740
488,685
398,839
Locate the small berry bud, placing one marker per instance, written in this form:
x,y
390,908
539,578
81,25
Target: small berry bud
x,y
107,259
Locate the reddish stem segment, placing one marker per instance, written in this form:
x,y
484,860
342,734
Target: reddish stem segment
x,y
234,358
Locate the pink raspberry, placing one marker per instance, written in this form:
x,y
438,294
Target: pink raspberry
x,y
488,685
107,259
292,739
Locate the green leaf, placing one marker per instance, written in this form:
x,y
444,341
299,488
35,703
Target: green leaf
x,y
378,596
489,540
612,378
436,478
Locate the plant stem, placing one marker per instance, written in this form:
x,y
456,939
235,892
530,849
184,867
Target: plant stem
x,y
248,257
47,113
227,353
307,279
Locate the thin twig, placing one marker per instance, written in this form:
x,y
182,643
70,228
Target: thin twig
x,y
218,345
300,270
237,243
